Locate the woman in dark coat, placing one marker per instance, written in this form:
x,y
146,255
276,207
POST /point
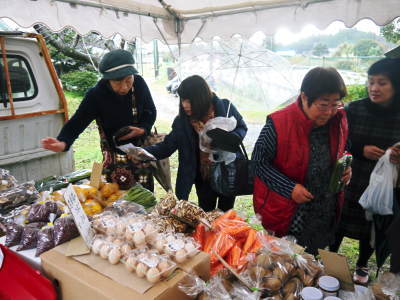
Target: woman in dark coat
x,y
197,105
374,126
121,99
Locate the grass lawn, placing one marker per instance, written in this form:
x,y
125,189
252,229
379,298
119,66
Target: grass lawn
x,y
87,150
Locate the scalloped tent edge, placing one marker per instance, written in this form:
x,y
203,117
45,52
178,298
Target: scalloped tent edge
x,y
177,21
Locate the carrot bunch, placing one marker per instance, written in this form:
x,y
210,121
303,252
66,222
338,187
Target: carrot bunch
x,y
231,237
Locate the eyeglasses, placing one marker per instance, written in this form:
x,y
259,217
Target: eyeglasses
x,y
322,107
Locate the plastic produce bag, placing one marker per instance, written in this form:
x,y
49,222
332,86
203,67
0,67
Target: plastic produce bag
x,y
45,239
29,236
16,196
64,230
378,196
124,207
6,180
41,211
193,286
13,234
137,153
227,124
360,293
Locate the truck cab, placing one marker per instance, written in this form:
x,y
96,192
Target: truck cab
x,y
32,106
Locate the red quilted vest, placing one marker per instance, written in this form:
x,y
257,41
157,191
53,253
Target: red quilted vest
x,y
292,156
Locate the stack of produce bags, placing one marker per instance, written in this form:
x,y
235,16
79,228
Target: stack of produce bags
x,y
231,238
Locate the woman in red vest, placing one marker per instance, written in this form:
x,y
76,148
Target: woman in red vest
x,y
295,154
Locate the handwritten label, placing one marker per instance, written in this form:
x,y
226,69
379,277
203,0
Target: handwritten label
x,y
176,245
151,261
80,218
136,227
95,176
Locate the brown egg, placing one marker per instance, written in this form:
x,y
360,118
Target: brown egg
x,y
131,263
153,275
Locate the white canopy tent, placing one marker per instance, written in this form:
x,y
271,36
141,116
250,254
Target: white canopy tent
x,y
181,21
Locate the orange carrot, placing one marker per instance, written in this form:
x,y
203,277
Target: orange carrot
x,y
200,234
209,241
255,247
235,253
236,229
251,237
222,244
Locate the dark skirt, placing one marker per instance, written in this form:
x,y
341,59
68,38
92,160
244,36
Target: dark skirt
x,y
119,169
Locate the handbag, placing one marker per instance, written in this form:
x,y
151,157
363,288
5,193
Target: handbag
x,y
235,178
161,168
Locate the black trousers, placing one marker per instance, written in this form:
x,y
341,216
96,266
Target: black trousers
x,y
364,248
208,198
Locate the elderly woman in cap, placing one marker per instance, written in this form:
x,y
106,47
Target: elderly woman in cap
x,y
124,111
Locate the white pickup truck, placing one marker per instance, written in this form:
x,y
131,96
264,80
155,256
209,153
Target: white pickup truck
x,y
32,106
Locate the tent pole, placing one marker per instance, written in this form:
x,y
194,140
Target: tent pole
x,y
203,23
164,39
113,8
232,10
178,23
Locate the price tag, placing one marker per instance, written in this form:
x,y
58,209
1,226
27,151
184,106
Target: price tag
x,y
95,176
136,227
151,262
80,218
176,245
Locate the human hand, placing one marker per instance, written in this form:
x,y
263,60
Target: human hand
x,y
53,144
134,132
300,194
395,155
346,176
372,152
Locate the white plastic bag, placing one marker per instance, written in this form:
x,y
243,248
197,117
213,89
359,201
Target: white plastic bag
x,y
378,196
227,124
137,152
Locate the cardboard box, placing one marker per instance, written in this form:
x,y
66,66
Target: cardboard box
x,y
78,281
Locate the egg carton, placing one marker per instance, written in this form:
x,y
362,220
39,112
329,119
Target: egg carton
x,y
110,242
177,246
147,263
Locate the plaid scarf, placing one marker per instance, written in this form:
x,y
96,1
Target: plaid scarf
x,y
205,163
